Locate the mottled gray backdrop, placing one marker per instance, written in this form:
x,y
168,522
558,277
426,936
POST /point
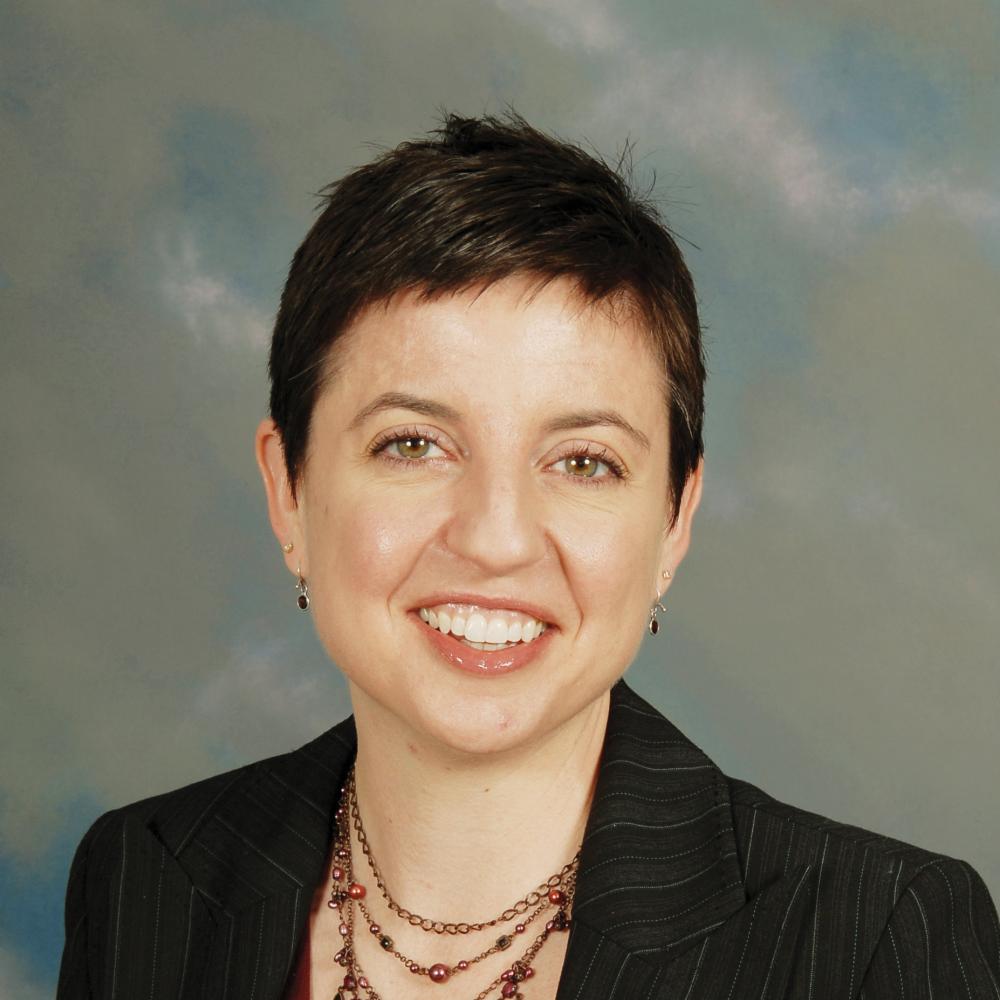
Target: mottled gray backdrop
x,y
833,634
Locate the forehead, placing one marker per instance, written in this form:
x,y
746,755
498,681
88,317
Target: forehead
x,y
513,342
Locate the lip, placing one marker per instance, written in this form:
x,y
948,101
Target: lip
x,y
483,662
495,603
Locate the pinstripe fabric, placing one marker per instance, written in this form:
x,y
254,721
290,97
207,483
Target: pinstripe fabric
x,y
691,886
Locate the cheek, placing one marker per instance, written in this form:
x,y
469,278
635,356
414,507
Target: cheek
x,y
612,565
367,551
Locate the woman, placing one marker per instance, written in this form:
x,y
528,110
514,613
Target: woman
x,y
482,464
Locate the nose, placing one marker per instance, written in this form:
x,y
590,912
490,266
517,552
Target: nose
x,y
496,520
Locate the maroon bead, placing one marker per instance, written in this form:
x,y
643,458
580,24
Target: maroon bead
x,y
557,897
349,983
333,904
529,972
343,853
439,973
414,968
344,931
519,928
338,874
374,928
549,925
463,965
362,982
506,974
508,989
356,891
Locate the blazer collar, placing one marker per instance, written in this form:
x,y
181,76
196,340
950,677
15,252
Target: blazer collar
x,y
658,869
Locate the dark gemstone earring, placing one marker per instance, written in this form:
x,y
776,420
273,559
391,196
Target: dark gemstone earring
x,y
654,625
303,588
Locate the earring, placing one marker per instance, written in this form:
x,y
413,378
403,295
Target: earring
x,y
287,547
303,588
667,575
654,625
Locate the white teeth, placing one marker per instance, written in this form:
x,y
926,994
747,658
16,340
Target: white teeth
x,y
483,627
475,627
496,631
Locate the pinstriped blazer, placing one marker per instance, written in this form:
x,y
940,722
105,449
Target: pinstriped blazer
x,y
691,886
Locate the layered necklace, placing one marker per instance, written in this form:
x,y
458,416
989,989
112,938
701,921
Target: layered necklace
x,y
533,913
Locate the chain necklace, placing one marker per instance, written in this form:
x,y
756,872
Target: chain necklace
x,y
558,891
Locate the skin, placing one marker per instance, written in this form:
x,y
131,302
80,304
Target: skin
x,y
474,789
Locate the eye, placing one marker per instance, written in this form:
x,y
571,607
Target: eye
x,y
410,447
594,467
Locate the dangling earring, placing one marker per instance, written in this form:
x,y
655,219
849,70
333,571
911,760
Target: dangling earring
x,y
303,588
654,625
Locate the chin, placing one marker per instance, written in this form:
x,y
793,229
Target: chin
x,y
462,716
478,717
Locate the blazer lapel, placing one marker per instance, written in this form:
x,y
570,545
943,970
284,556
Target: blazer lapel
x,y
255,856
659,869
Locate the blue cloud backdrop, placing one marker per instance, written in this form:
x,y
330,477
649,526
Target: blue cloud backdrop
x,y
836,165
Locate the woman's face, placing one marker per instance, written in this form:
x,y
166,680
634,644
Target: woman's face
x,y
491,453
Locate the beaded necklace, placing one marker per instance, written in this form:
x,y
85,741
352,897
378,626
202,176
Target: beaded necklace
x,y
557,891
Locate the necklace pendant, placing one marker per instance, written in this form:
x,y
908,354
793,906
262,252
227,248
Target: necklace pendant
x,y
439,973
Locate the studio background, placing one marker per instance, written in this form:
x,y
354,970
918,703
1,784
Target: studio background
x,y
833,634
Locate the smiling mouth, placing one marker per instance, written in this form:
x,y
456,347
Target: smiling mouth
x,y
486,629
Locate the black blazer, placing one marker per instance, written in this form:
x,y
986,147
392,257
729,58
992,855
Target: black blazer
x,y
691,885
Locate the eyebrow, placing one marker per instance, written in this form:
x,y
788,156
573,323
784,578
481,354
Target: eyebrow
x,y
576,420
404,401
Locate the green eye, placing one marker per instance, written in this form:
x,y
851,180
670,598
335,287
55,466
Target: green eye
x,y
412,447
583,466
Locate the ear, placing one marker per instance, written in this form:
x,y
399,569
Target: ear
x,y
677,541
282,508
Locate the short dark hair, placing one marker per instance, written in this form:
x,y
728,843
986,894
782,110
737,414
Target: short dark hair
x,y
476,201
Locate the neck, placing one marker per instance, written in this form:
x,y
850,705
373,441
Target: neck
x,y
462,836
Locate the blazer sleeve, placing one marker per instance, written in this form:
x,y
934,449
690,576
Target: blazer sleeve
x,y
942,940
74,973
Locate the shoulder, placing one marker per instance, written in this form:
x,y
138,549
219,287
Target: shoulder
x,y
774,836
911,918
174,816
168,863
122,858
